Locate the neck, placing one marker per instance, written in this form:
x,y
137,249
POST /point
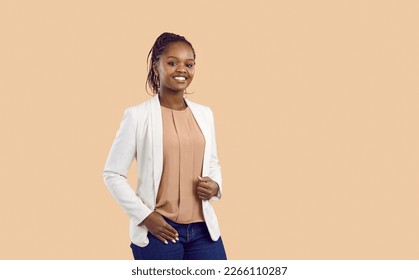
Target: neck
x,y
172,100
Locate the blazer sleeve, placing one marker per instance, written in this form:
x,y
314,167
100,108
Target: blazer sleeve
x,y
215,168
121,155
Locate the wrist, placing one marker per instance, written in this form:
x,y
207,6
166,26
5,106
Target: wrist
x,y
144,222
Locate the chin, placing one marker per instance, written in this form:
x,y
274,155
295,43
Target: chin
x,y
180,89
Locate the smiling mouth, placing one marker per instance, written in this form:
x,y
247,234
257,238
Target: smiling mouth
x,y
180,79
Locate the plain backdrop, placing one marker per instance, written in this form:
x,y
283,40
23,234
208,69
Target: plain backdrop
x,y
316,110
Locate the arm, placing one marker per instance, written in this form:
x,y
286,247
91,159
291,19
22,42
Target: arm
x,y
120,157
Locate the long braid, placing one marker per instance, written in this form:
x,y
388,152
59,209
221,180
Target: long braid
x,y
156,51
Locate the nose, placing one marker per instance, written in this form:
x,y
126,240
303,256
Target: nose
x,y
180,69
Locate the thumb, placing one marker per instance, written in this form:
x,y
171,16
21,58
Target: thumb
x,y
201,179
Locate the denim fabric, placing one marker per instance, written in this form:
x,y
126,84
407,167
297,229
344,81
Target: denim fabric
x,y
194,243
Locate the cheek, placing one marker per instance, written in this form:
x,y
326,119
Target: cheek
x,y
191,73
164,75
163,71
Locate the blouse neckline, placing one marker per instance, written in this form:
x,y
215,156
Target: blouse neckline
x,y
174,109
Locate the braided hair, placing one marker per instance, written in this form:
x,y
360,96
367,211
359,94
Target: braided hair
x,y
156,51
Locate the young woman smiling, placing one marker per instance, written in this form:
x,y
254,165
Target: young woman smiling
x,y
173,141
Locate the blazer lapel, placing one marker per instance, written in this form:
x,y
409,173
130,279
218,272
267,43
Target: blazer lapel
x,y
157,142
203,124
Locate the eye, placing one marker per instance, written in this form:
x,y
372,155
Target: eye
x,y
189,65
172,63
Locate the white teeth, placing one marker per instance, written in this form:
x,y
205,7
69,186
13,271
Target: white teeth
x,y
180,78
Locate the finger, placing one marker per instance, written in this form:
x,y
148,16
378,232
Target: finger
x,y
204,179
203,187
167,237
171,231
204,184
203,195
161,239
204,191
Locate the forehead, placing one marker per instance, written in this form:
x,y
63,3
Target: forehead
x,y
180,50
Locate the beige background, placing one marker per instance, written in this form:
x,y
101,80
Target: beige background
x,y
317,114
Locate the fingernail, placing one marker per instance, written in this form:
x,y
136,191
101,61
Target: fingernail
x,y
165,242
177,239
174,241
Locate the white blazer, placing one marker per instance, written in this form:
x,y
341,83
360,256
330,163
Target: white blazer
x,y
140,137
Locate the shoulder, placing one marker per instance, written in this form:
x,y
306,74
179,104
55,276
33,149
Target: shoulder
x,y
139,113
139,108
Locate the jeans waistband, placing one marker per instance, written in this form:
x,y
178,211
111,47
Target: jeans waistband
x,y
180,225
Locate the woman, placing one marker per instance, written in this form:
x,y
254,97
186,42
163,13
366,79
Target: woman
x,y
173,141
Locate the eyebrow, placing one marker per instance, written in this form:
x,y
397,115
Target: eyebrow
x,y
178,58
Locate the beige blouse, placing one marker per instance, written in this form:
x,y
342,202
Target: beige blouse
x,y
183,154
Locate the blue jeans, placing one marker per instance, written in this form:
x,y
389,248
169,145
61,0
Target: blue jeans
x,y
194,243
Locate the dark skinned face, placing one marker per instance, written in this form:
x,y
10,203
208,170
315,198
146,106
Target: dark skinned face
x,y
176,68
